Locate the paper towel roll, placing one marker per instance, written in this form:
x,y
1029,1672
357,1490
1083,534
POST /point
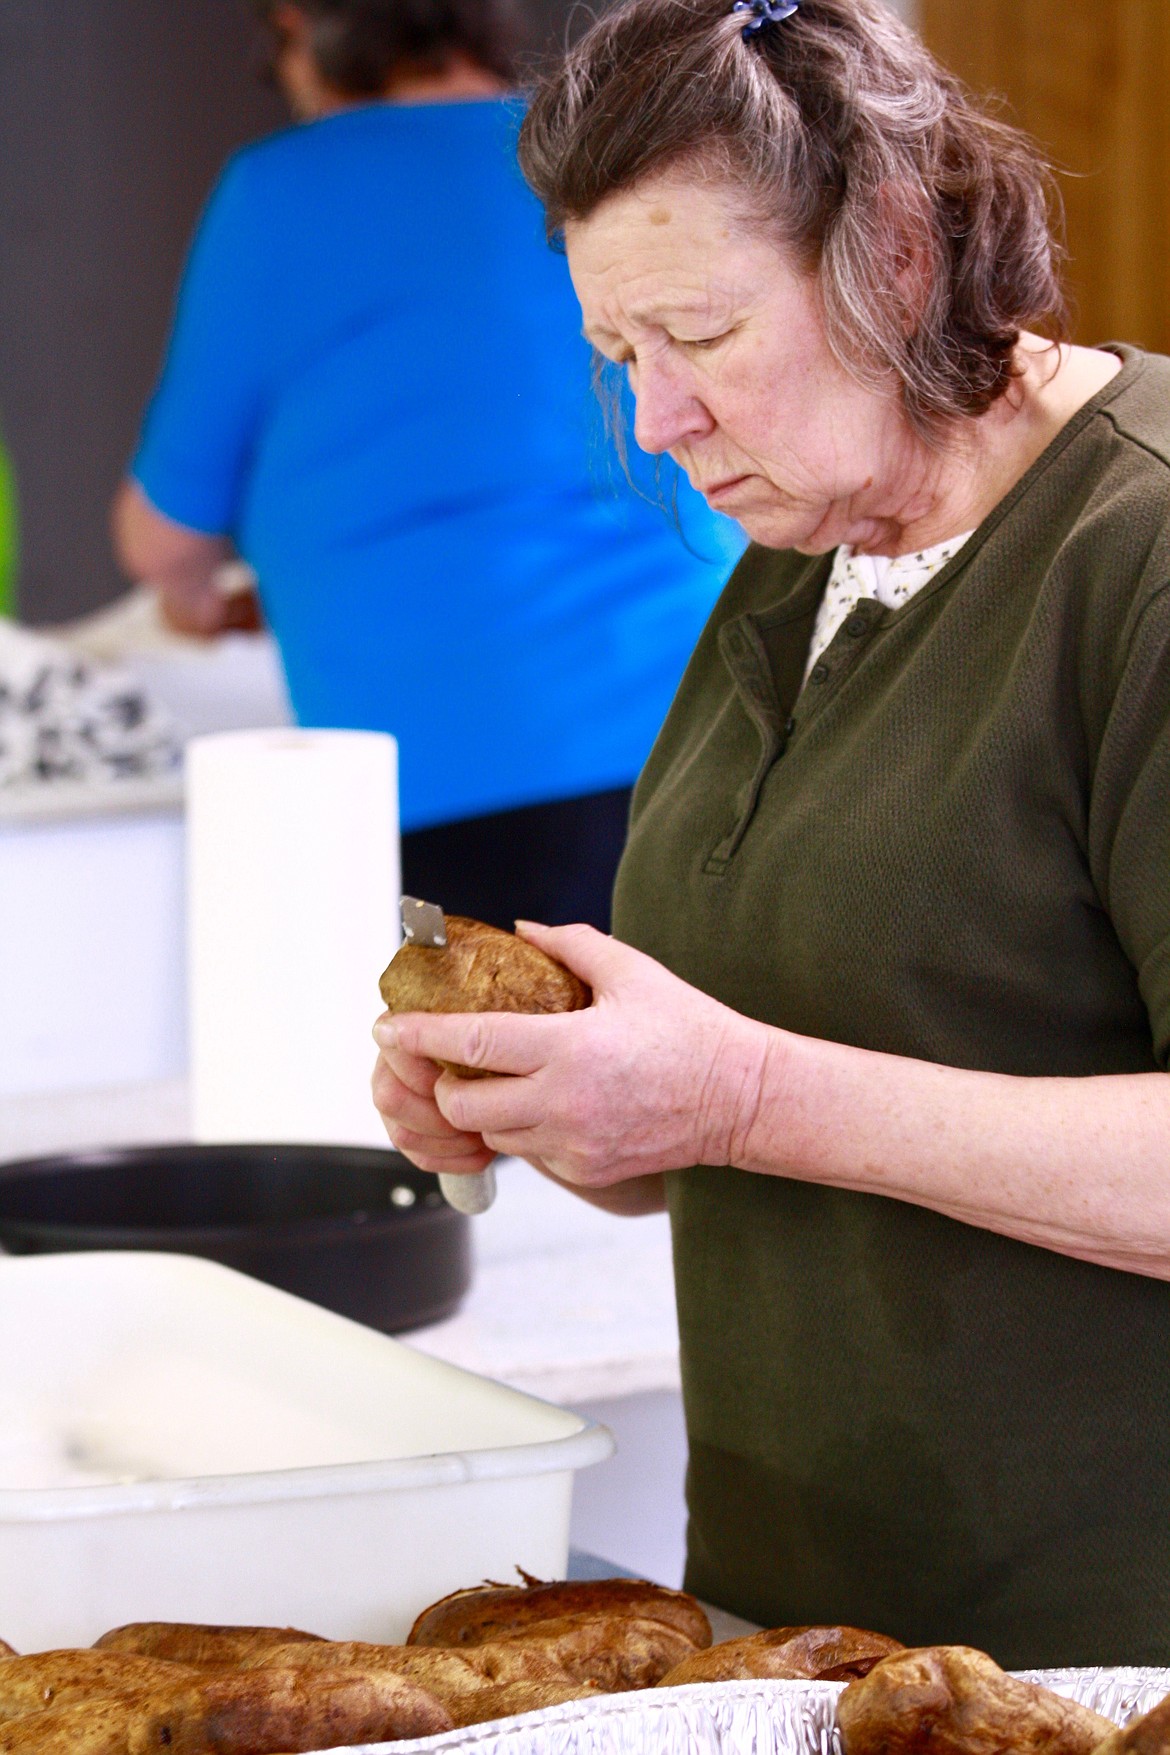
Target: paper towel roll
x,y
293,885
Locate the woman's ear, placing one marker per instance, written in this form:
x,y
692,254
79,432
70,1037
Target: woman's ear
x,y
906,219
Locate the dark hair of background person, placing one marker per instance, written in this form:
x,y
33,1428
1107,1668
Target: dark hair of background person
x,y
358,44
928,222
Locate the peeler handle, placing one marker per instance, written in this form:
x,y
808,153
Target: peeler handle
x,y
470,1194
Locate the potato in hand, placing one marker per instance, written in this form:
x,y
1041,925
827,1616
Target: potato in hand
x,y
480,969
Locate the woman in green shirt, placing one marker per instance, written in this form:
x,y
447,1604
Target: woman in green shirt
x,y
886,1019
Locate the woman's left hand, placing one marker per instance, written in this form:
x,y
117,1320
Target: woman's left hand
x,y
653,1076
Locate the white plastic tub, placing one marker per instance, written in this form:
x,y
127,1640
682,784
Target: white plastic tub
x,y
180,1442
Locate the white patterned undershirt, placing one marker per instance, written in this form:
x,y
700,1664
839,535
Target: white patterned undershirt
x,y
892,580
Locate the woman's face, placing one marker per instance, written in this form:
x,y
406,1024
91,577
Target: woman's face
x,y
724,343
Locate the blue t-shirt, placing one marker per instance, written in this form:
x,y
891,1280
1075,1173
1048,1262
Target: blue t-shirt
x,y
377,385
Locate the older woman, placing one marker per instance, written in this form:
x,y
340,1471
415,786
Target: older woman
x,y
889,1020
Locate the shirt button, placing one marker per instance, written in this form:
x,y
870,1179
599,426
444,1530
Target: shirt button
x,y
856,626
818,673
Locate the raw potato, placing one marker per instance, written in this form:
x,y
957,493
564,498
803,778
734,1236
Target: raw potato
x,y
270,1712
451,1675
951,1700
513,1698
187,1642
614,1651
468,1617
52,1678
86,1727
1148,1735
276,1711
481,969
825,1654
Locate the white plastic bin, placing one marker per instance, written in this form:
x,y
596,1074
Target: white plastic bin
x,y
180,1442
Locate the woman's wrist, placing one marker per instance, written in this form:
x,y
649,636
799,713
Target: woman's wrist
x,y
747,1081
808,1096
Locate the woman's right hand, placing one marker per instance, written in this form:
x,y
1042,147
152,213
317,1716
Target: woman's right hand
x,y
403,1087
651,1077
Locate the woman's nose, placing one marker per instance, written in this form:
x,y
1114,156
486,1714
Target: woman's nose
x,y
666,410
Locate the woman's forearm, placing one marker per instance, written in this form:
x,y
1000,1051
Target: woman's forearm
x,y
1078,1165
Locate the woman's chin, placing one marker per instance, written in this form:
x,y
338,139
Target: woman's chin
x,y
777,529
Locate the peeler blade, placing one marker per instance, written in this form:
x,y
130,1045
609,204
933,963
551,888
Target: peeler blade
x,y
423,923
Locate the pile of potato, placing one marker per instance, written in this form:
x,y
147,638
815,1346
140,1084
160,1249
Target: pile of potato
x,y
951,1700
479,1655
499,1650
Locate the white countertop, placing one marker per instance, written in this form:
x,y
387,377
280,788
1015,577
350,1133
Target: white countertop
x,y
567,1302
66,800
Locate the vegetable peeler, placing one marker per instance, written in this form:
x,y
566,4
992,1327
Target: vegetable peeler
x,y
423,924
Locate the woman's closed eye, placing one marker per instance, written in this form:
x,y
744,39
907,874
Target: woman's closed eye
x,y
701,343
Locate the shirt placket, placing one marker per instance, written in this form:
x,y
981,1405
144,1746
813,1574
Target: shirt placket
x,y
839,657
742,643
747,660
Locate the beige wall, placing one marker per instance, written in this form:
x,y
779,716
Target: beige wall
x,y
1089,78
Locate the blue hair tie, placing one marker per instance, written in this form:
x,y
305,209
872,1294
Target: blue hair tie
x,y
763,12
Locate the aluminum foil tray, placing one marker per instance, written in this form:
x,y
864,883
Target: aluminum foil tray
x,y
734,1718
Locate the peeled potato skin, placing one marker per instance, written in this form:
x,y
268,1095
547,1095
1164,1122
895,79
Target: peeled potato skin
x,y
826,1654
952,1700
481,969
189,1642
55,1678
492,1611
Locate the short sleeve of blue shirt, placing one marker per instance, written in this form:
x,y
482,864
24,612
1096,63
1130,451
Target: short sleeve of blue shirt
x,y
201,427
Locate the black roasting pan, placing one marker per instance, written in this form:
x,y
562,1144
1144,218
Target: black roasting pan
x,y
358,1230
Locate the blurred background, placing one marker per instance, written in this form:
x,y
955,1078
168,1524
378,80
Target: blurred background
x,y
116,114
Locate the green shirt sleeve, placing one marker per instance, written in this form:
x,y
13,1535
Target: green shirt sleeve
x,y
1129,813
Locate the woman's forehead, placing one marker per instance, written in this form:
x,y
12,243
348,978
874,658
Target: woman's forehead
x,y
664,207
669,239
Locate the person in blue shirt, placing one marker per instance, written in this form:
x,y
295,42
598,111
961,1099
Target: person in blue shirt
x,y
376,392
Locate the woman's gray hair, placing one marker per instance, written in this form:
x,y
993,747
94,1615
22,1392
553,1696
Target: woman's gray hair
x,y
927,221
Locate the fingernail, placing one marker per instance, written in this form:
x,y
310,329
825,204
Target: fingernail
x,y
386,1033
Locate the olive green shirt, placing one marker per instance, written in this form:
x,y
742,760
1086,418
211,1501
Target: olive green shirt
x,y
953,843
